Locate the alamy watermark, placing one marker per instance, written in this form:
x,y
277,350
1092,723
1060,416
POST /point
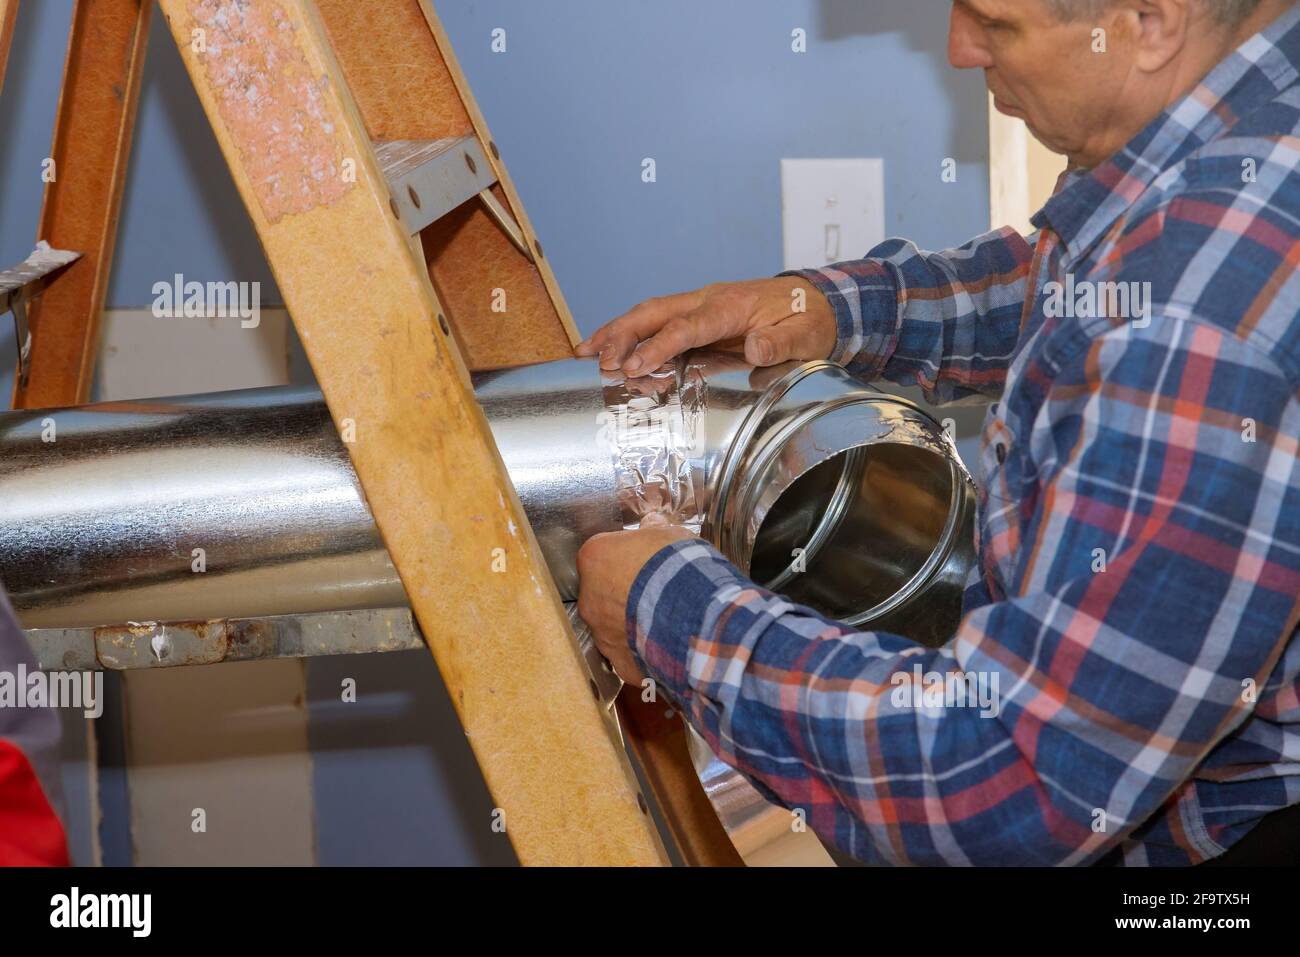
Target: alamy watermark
x,y
1085,299
932,690
179,299
83,690
133,912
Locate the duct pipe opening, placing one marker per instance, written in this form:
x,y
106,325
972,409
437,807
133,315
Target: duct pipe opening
x,y
847,500
856,535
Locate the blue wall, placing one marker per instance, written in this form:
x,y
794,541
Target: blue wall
x,y
712,91
585,91
31,90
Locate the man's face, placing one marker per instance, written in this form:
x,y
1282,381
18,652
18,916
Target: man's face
x,y
1045,71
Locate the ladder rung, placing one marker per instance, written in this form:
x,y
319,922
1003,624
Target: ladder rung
x,y
28,278
21,283
430,178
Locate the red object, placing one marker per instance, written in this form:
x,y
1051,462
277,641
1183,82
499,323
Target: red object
x,y
31,834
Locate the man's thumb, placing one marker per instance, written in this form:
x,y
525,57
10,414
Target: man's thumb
x,y
795,338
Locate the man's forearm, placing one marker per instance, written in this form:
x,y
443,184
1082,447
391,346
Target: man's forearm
x,y
947,322
835,723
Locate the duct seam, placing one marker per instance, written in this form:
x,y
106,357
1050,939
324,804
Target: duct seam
x,y
654,430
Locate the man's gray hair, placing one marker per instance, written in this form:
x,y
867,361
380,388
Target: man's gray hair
x,y
1230,12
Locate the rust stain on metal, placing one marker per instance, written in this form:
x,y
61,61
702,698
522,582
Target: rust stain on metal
x,y
272,104
153,644
248,639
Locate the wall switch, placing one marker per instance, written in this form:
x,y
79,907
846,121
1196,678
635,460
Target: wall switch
x,y
831,209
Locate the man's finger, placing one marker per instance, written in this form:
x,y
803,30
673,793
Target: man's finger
x,y
680,335
799,337
615,341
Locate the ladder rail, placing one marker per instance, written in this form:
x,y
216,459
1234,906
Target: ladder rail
x,y
93,129
421,447
8,18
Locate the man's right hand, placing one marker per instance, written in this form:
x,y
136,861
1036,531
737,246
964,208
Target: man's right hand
x,y
779,319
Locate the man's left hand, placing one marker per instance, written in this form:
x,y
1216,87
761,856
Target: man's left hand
x,y
607,566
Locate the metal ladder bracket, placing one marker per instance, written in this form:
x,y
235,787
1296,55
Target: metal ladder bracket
x,y
430,178
24,282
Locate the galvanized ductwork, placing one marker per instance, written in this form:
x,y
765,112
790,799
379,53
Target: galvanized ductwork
x,y
841,497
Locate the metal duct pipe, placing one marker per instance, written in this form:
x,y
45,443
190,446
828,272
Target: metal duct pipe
x,y
842,497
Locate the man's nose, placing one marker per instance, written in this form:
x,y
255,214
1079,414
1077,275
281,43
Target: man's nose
x,y
966,47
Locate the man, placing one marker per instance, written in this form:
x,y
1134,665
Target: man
x,y
1138,589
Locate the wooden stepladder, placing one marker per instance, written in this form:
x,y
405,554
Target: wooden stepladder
x,y
379,337
394,233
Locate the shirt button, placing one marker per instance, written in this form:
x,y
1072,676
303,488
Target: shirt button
x,y
1000,451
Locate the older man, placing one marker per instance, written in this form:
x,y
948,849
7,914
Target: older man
x,y
1138,588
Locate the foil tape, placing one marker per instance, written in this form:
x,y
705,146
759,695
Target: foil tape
x,y
653,427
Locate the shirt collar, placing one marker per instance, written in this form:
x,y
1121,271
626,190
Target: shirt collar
x,y
1088,202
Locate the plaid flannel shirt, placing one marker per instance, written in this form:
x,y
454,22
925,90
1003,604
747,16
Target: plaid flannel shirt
x,y
1138,584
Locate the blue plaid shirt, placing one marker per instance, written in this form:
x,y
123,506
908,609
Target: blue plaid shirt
x,y
1138,588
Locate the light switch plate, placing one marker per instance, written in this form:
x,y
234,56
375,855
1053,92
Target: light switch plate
x,y
831,209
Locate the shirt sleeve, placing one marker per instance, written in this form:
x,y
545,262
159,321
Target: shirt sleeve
x,y
1158,583
945,321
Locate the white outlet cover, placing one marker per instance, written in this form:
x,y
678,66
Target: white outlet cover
x,y
831,209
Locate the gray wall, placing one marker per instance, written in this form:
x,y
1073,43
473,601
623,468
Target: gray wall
x,y
585,91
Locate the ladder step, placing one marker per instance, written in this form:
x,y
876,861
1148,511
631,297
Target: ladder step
x,y
22,283
430,178
28,278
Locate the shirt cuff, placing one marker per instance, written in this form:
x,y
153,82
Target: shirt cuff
x,y
864,296
667,608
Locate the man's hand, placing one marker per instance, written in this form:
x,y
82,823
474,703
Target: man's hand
x,y
607,566
780,319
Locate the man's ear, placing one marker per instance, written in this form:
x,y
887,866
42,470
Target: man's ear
x,y
1156,30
